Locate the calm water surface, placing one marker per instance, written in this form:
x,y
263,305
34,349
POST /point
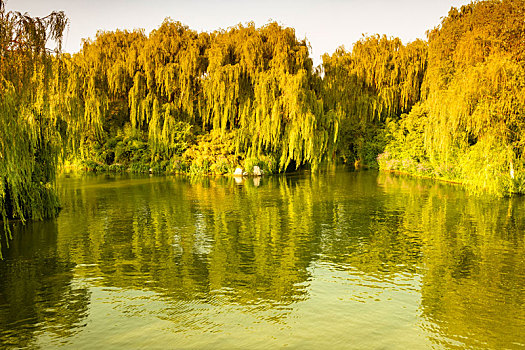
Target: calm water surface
x,y
339,260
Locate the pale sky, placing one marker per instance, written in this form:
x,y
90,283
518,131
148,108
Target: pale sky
x,y
326,24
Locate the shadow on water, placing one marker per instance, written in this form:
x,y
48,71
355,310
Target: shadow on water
x,y
262,243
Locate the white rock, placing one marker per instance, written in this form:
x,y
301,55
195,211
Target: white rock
x,y
257,171
238,172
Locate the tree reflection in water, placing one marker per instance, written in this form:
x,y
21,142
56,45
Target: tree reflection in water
x,y
265,246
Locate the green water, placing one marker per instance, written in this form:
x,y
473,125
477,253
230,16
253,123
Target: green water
x,y
350,260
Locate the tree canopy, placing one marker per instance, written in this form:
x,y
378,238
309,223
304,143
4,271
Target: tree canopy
x,y
28,125
379,79
473,101
253,83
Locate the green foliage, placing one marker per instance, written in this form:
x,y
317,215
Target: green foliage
x,y
213,153
254,84
405,150
267,164
29,136
485,166
380,78
469,127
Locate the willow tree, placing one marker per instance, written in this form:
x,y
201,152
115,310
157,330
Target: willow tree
x,y
166,92
28,133
252,88
476,79
380,78
254,83
259,85
473,108
94,86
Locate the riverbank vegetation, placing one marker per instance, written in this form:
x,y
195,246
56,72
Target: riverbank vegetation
x,y
29,132
469,124
181,101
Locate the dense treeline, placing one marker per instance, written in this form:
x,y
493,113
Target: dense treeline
x,y
193,102
177,100
469,125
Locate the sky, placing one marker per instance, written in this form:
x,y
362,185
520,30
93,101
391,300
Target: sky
x,y
326,24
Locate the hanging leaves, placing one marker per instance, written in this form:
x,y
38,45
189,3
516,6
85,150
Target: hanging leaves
x,y
473,95
380,78
28,133
252,82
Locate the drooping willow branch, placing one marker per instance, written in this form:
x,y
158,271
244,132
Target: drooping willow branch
x,y
28,137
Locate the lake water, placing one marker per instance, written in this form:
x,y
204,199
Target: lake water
x,y
339,260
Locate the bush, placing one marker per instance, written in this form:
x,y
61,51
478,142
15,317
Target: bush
x,y
267,164
117,168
